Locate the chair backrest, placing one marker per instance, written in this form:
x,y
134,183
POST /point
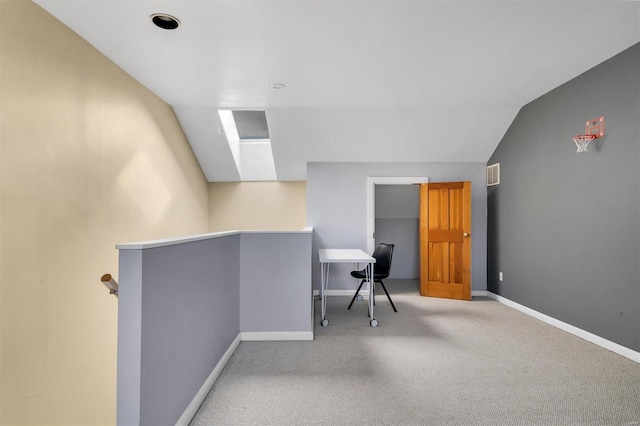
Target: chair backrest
x,y
382,254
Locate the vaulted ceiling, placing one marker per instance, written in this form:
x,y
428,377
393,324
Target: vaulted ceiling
x,y
366,80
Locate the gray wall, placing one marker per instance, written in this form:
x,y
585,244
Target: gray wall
x,y
397,201
337,209
275,273
190,317
129,336
397,213
182,305
178,313
564,228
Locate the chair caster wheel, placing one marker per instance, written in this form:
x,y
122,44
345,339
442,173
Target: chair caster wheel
x,y
324,322
359,297
374,323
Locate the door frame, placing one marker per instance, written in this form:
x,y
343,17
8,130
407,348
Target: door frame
x,y
372,181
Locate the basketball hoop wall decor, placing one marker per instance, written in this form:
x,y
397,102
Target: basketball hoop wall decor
x,y
592,129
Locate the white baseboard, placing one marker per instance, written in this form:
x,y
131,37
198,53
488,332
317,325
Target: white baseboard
x,y
365,293
244,336
313,312
260,336
583,334
350,293
193,407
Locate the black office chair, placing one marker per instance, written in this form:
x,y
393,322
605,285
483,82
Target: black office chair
x,y
381,268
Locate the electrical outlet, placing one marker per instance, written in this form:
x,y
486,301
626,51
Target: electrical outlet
x,y
500,276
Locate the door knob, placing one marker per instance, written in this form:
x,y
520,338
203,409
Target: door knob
x,y
466,235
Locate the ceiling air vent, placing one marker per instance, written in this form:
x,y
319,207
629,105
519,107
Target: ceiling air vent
x,y
493,174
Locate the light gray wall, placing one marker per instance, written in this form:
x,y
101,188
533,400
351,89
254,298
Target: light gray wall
x,y
397,211
190,317
129,337
337,209
275,277
397,201
180,310
564,227
404,234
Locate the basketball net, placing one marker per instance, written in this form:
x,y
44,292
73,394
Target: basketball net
x,y
582,141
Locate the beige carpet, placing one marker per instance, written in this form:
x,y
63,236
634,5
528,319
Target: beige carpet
x,y
435,362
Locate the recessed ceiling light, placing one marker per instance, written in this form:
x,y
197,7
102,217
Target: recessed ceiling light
x,y
277,86
164,21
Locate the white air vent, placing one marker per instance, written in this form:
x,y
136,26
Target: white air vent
x,y
493,174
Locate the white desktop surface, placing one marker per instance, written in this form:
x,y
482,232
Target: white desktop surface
x,y
355,256
344,256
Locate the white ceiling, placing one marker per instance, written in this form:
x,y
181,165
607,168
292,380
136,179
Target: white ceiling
x,y
366,80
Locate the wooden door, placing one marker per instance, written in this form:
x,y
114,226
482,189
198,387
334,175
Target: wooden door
x,y
445,240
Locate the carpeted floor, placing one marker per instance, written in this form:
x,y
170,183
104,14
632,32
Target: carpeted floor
x,y
435,362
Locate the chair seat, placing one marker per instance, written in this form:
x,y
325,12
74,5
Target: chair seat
x,y
361,275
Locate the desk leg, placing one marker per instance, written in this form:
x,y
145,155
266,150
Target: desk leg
x,y
324,284
356,266
372,285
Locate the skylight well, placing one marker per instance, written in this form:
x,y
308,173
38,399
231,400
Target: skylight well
x,y
248,137
251,125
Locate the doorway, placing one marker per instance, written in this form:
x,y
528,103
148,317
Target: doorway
x,y
372,182
397,221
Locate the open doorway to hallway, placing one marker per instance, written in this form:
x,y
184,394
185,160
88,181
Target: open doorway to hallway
x,y
397,216
393,217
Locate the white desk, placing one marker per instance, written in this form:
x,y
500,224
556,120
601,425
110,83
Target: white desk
x,y
355,256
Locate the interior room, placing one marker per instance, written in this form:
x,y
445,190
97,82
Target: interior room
x,y
185,147
397,213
